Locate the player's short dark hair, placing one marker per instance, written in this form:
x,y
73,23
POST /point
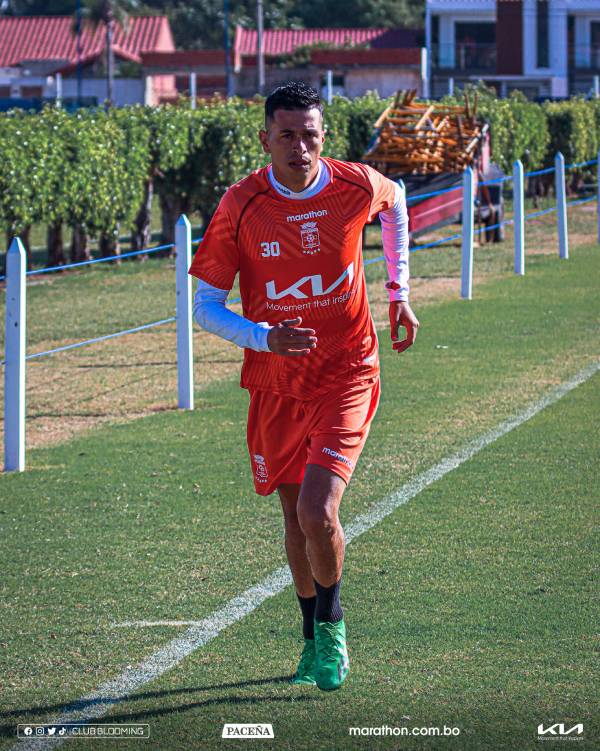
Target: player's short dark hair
x,y
295,95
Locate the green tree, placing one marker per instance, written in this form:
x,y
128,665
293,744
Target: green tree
x,y
360,13
39,7
108,13
199,23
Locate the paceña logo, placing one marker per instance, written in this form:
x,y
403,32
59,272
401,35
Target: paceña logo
x,y
316,285
247,730
559,729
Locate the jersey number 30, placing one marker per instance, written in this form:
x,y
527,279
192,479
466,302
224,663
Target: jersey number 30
x,y
270,249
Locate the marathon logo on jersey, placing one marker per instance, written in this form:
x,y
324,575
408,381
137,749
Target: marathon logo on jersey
x,y
260,468
316,285
308,215
310,238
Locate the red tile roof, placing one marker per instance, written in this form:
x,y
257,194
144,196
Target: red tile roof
x,y
278,42
53,38
285,41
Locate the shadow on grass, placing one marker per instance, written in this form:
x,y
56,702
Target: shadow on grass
x,y
9,730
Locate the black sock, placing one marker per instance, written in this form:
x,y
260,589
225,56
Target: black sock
x,y
328,603
307,605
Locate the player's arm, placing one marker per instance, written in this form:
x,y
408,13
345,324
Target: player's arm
x,y
211,312
286,338
395,241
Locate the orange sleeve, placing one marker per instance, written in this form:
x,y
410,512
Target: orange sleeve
x,y
383,192
217,258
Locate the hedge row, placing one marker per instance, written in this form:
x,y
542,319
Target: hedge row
x,y
98,171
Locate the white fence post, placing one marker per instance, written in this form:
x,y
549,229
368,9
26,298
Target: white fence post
x,y
193,91
466,284
561,205
425,93
14,367
519,217
329,86
185,355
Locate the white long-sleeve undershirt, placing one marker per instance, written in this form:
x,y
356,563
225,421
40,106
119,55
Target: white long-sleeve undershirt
x,y
211,312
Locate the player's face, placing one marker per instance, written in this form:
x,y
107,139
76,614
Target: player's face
x,y
294,139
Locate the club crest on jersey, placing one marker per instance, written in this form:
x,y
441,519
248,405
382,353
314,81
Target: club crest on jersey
x,y
310,238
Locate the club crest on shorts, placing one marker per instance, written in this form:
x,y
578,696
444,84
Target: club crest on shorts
x,y
260,468
310,238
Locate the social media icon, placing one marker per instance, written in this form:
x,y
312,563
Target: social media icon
x,y
28,731
62,731
51,731
39,731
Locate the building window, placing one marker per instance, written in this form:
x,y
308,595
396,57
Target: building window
x,y
435,40
4,92
475,46
337,83
31,92
595,44
543,58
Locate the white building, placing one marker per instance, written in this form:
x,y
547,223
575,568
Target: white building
x,y
542,47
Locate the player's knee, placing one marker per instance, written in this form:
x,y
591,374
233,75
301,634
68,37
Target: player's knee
x,y
317,521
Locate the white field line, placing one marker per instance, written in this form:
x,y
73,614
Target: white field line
x,y
112,692
141,624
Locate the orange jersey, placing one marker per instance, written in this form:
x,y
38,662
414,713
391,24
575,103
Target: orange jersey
x,y
300,258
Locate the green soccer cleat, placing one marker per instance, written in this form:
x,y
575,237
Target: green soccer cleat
x,y
305,674
332,656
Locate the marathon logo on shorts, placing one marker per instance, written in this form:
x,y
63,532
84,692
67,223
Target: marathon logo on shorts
x,y
341,458
260,468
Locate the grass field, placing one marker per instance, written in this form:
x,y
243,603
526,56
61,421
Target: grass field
x,y
136,375
474,605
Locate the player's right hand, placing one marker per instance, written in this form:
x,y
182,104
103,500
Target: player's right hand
x,y
287,339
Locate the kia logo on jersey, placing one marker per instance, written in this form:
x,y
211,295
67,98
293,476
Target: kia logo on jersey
x,y
316,285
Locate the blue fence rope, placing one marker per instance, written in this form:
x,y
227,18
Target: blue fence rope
x,y
493,226
99,260
100,338
581,200
502,179
540,213
435,242
581,164
435,193
539,172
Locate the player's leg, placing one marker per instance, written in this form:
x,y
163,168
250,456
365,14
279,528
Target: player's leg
x,y
295,547
318,505
295,541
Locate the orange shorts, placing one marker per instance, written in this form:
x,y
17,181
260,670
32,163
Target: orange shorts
x,y
284,434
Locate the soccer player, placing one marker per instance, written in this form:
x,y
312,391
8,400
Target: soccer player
x,y
293,233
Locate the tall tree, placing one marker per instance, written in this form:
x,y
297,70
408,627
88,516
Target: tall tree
x,y
199,23
360,13
38,7
109,12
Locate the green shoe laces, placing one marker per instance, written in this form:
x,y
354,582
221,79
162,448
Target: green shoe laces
x,y
330,645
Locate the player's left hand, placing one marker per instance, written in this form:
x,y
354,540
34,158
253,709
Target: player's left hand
x,y
402,315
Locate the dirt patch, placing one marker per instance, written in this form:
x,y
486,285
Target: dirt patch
x,y
114,381
422,292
